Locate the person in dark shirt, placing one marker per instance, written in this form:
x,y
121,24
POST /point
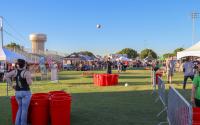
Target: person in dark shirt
x,y
109,66
157,66
196,64
22,90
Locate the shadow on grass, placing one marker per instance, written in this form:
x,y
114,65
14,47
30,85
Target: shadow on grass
x,y
115,108
134,77
133,83
186,94
67,78
65,73
71,84
5,111
38,78
60,83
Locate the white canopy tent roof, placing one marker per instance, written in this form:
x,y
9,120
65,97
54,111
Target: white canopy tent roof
x,y
148,58
192,51
122,58
9,56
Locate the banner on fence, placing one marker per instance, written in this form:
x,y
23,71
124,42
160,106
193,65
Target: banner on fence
x,y
179,110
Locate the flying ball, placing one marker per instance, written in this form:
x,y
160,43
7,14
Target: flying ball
x,y
98,26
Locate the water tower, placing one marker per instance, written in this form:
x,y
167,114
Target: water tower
x,y
38,41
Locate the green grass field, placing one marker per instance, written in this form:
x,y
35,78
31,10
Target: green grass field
x,y
94,105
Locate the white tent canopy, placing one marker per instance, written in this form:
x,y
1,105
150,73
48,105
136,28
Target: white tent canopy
x,y
122,58
192,51
149,58
9,56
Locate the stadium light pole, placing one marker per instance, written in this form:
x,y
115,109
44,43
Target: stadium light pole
x,y
194,15
1,29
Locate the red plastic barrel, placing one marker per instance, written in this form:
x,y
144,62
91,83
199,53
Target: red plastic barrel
x,y
60,108
100,79
39,109
116,79
14,108
97,79
56,92
196,115
104,79
113,79
108,80
64,95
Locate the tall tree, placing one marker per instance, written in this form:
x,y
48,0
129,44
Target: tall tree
x,y
166,55
14,45
87,53
148,52
131,53
178,50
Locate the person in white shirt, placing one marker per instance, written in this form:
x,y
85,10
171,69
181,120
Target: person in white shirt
x,y
188,69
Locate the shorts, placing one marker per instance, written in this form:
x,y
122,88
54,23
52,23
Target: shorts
x,y
170,72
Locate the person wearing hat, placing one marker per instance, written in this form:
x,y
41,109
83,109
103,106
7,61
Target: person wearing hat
x,y
22,90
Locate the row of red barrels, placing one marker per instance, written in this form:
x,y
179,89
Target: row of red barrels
x,y
46,108
105,79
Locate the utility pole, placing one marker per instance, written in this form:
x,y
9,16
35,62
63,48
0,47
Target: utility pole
x,y
194,15
1,30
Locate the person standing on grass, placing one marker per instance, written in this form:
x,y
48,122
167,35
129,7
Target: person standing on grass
x,y
188,69
109,66
22,90
170,65
126,65
118,66
157,66
195,96
196,63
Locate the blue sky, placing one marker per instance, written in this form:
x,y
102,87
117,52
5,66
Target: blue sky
x,y
161,25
